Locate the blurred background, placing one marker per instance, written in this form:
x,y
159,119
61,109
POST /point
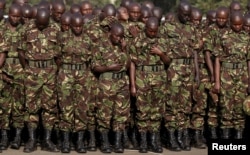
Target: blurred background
x,y
167,5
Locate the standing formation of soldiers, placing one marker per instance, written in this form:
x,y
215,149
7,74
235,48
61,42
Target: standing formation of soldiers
x,y
91,71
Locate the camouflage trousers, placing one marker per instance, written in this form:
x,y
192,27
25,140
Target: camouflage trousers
x,y
200,96
12,109
234,84
113,105
74,92
150,99
91,113
179,96
41,96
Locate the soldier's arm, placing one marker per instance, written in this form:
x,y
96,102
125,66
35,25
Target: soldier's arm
x,y
156,50
196,66
132,79
217,75
21,57
110,68
209,64
2,59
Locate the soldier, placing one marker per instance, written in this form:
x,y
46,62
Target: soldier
x,y
180,78
158,13
58,8
200,89
65,21
97,30
169,17
235,6
149,57
149,4
34,11
111,62
246,23
26,13
231,77
2,5
210,17
86,8
38,53
74,78
211,44
126,3
20,2
145,14
13,97
122,14
75,8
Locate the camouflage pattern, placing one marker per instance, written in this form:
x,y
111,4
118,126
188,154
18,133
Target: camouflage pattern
x,y
150,82
246,106
182,41
40,49
233,55
96,32
74,81
200,92
113,97
12,100
212,44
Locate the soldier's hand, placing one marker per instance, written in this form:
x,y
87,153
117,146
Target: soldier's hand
x,y
115,67
133,91
133,30
216,88
155,50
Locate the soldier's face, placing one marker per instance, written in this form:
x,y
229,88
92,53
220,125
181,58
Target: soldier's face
x,y
196,20
57,13
221,19
65,25
123,14
77,28
116,37
86,9
134,13
14,17
184,15
237,25
246,25
144,17
151,32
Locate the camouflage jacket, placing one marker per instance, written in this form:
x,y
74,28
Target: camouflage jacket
x,y
234,47
140,50
74,50
40,44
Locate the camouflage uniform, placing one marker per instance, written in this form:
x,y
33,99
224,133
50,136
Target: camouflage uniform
x,y
233,55
200,92
13,94
113,97
40,49
150,83
95,31
182,41
74,81
212,44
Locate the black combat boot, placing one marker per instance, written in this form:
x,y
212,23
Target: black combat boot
x,y
155,143
143,142
105,145
92,141
225,133
118,148
65,147
48,145
198,140
238,133
126,141
58,139
80,148
5,140
16,143
134,138
186,140
172,144
30,146
180,138
213,133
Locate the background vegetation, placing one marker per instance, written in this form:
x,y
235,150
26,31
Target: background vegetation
x,y
167,5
